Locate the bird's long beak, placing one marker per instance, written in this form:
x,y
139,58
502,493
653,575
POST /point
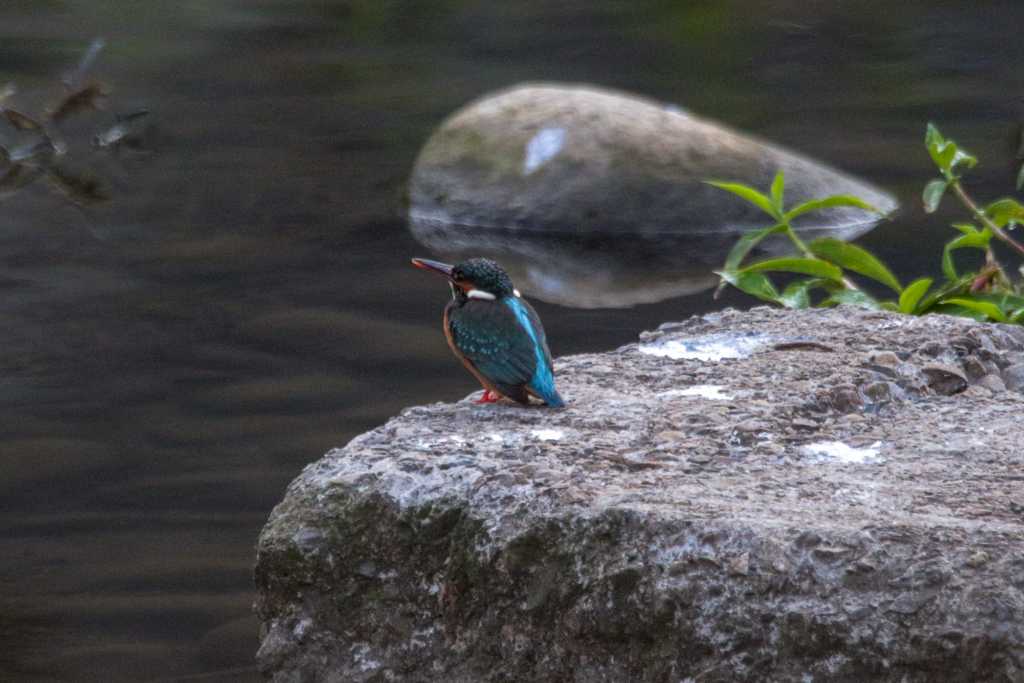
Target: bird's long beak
x,y
435,266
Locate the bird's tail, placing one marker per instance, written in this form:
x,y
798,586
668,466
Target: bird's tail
x,y
553,399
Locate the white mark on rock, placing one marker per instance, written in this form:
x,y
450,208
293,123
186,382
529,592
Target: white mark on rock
x,y
307,539
710,348
548,434
835,663
712,392
542,147
421,637
435,440
302,628
361,656
840,452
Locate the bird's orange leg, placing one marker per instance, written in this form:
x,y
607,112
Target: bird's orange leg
x,y
489,397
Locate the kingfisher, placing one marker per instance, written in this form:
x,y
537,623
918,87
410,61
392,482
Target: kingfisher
x,y
495,332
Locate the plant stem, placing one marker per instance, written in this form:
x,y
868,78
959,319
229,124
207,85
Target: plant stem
x,y
985,220
798,242
805,250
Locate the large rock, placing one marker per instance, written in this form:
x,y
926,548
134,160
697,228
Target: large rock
x,y
591,198
573,159
770,495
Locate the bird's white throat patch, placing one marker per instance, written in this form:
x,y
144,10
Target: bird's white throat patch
x,y
480,294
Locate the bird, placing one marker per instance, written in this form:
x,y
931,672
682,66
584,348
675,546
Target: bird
x,y
495,332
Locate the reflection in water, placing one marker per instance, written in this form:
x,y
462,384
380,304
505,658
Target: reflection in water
x,y
582,271
128,132
39,149
598,270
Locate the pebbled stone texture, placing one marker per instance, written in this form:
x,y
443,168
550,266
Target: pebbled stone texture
x,y
681,520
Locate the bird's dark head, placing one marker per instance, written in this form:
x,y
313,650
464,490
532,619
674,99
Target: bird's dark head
x,y
475,278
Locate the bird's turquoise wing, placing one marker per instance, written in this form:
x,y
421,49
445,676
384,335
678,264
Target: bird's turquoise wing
x,y
491,337
542,382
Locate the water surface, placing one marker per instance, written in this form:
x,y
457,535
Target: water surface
x,y
172,358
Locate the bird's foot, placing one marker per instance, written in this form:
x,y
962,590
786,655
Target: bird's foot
x,y
489,397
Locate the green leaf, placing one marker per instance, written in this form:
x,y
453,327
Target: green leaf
x,y
797,294
962,157
744,244
948,267
778,185
804,266
933,192
913,293
828,203
1004,211
966,228
947,153
754,284
750,194
950,157
854,258
979,239
961,311
987,308
975,238
949,288
932,136
1005,301
1017,316
933,142
852,297
1020,177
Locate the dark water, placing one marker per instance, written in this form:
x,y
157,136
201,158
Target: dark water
x,y
170,359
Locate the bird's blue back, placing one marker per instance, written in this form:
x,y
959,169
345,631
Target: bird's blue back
x,y
542,383
505,342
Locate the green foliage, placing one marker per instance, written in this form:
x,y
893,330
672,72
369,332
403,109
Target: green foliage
x,y
910,296
828,203
950,159
804,266
933,192
971,238
852,257
751,195
825,267
1006,213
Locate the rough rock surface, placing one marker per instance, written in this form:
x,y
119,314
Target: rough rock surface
x,y
844,501
553,158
